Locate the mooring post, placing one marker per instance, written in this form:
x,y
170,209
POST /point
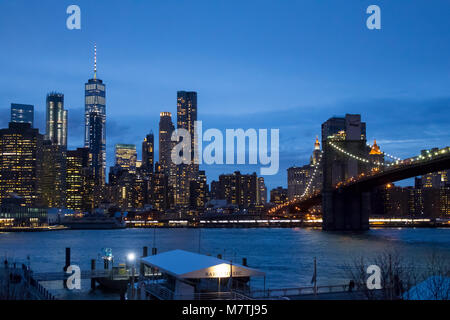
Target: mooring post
x,y
154,250
92,277
244,262
144,254
219,256
67,259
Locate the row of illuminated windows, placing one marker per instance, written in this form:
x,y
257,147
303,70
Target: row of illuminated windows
x,y
94,86
95,100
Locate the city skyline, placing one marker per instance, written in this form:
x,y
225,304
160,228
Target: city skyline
x,y
372,86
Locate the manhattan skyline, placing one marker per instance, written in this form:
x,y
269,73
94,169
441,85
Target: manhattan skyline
x,y
324,62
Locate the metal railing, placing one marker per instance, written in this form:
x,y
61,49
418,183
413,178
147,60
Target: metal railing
x,y
161,292
286,292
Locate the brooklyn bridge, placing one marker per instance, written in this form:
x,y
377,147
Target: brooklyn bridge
x,y
351,169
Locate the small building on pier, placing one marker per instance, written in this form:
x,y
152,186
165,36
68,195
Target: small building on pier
x,y
184,275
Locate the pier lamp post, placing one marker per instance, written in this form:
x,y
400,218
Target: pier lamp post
x,y
131,258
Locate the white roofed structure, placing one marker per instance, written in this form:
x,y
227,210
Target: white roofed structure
x,y
188,265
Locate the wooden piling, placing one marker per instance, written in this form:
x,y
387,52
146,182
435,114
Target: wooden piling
x,y
144,254
67,259
92,278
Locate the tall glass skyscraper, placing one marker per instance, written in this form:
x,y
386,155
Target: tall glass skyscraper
x,y
186,117
22,113
56,124
95,123
148,152
166,129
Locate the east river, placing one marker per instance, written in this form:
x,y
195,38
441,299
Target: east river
x,y
286,255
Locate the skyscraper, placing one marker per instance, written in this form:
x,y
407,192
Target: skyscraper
x,y
53,175
95,123
56,124
167,166
160,189
148,152
166,129
20,156
198,192
126,157
80,180
22,113
186,118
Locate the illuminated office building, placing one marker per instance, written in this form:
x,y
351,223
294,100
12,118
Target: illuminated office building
x,y
198,192
238,189
56,124
22,113
53,175
261,192
167,166
186,118
126,157
95,123
79,180
20,155
278,195
166,129
160,189
148,153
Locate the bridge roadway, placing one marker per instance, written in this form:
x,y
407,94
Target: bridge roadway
x,y
401,172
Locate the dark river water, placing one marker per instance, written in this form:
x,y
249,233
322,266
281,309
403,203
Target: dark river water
x,y
286,255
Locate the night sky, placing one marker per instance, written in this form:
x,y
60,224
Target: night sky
x,y
255,64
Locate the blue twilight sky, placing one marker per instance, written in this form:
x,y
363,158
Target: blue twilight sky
x,y
255,64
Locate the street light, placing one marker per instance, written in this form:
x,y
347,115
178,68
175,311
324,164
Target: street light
x,y
131,257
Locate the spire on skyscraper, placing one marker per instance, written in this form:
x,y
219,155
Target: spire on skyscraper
x,y
317,144
95,61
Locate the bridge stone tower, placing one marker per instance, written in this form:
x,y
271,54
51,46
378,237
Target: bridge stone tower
x,y
344,211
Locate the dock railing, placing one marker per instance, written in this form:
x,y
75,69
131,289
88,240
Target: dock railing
x,y
286,292
20,284
161,292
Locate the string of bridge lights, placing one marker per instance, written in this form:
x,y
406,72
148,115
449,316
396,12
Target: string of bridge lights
x,y
305,192
354,156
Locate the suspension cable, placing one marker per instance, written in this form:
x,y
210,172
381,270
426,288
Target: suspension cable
x,y
316,167
356,157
